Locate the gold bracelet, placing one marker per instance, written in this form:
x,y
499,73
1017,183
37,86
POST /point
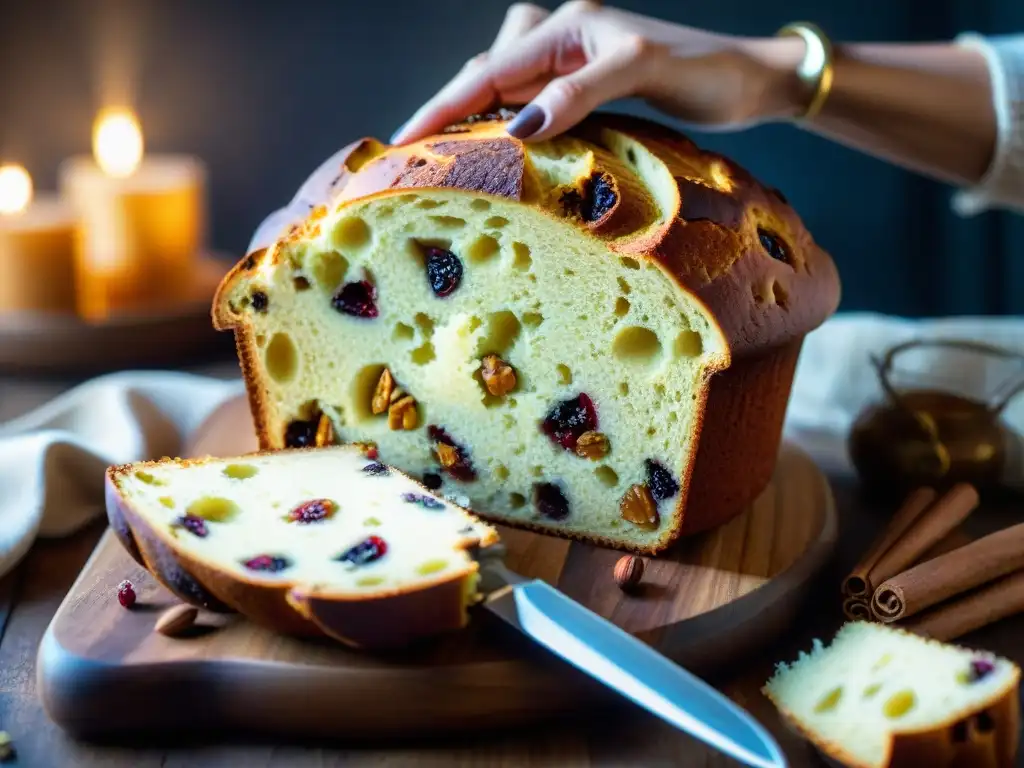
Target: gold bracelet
x,y
816,70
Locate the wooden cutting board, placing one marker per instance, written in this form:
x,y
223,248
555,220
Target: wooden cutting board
x,y
716,596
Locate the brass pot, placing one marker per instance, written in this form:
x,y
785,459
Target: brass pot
x,y
926,436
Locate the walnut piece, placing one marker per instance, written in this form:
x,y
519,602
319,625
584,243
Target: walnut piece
x,y
403,413
447,455
324,432
382,394
498,375
638,507
592,445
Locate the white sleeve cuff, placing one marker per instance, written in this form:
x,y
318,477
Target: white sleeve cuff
x,y
1003,182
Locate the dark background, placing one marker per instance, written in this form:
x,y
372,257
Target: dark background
x,y
264,90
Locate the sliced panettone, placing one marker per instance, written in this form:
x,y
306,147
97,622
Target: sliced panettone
x,y
880,697
592,336
305,542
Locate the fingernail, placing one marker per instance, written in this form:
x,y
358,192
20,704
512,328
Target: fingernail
x,y
527,122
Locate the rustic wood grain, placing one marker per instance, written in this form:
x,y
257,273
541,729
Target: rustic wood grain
x,y
716,597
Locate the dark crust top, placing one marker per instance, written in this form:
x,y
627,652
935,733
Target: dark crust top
x,y
733,242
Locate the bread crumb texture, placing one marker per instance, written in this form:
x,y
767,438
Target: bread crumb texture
x,y
530,327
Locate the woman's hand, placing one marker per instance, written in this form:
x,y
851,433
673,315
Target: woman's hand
x,y
564,65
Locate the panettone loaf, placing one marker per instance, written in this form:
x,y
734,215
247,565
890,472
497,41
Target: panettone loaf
x,y
303,541
880,697
592,336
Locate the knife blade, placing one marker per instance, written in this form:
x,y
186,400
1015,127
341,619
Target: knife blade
x,y
629,666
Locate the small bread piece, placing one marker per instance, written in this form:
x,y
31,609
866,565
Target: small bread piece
x,y
592,336
306,542
881,697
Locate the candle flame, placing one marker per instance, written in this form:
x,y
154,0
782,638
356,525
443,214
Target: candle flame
x,y
117,142
15,189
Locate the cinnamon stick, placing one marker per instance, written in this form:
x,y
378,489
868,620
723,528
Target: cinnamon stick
x,y
857,584
953,573
926,531
974,610
857,609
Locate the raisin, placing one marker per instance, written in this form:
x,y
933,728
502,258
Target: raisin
x,y
375,468
444,271
432,480
300,433
194,525
367,551
260,301
427,502
598,197
660,481
268,563
126,594
356,299
980,668
569,419
774,246
313,511
454,458
550,501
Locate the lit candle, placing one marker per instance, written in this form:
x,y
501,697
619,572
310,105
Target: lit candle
x,y
143,220
37,239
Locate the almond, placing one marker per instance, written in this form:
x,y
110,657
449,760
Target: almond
x,y
592,445
324,432
176,620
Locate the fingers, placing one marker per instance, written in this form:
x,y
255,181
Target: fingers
x,y
473,88
566,100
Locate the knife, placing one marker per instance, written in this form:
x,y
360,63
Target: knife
x,y
625,664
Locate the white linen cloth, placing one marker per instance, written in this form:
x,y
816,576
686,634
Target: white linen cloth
x,y
52,459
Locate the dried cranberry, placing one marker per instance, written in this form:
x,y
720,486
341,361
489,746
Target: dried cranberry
x,y
462,467
260,301
598,197
375,468
980,668
268,563
367,551
660,481
313,511
550,501
427,502
300,433
126,594
444,271
432,480
194,525
356,299
774,245
569,419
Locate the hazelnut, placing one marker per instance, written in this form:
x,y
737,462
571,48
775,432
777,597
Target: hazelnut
x,y
498,375
629,571
638,507
174,621
403,414
382,394
592,445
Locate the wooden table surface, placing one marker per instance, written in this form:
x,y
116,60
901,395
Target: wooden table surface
x,y
621,736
